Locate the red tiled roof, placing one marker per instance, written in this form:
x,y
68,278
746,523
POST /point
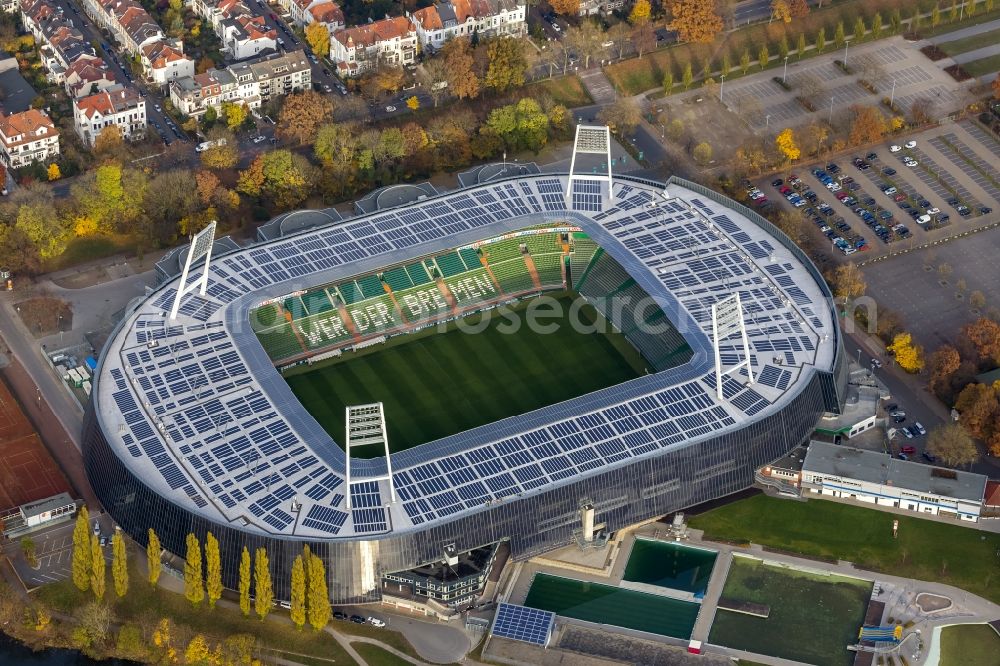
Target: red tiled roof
x,y
26,124
373,33
428,18
992,494
327,12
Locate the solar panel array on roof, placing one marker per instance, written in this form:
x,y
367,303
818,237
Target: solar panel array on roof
x,y
520,623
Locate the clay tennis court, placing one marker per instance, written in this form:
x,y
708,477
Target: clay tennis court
x,y
27,471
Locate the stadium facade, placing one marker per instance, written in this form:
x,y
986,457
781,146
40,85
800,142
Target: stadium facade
x,y
192,429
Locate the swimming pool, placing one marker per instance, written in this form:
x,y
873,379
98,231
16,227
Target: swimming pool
x,y
671,565
606,604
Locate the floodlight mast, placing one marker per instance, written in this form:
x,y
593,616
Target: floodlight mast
x,y
590,140
365,425
201,246
727,320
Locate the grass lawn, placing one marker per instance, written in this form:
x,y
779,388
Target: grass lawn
x,y
565,90
983,66
925,550
89,248
812,617
376,656
969,645
926,31
436,384
970,43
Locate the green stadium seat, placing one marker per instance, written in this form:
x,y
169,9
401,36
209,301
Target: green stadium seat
x,y
317,302
324,330
542,243
472,287
549,269
450,264
513,276
417,273
471,258
583,253
374,315
370,286
295,307
350,293
397,279
503,250
279,342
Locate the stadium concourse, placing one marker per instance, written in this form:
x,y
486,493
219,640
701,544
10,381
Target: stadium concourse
x,y
193,428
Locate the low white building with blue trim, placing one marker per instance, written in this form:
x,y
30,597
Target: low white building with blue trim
x,y
878,478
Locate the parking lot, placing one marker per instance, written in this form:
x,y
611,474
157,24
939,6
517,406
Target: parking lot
x,y
54,551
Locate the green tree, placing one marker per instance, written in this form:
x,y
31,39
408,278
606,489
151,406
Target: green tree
x,y
197,651
153,551
81,550
298,601
726,66
916,16
783,48
953,12
194,586
318,38
763,56
668,80
820,40
859,29
319,595
245,582
262,587
507,64
40,222
119,565
236,113
98,574
876,26
687,77
800,47
896,21
952,445
702,153
839,37
745,61
213,569
29,550
935,16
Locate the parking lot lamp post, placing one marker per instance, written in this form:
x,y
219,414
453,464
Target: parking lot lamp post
x,y
767,121
847,43
892,95
722,86
830,121
784,74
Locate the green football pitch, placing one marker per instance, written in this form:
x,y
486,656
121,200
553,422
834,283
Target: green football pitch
x,y
434,384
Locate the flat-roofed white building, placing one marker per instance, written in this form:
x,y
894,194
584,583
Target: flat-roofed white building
x,y
878,478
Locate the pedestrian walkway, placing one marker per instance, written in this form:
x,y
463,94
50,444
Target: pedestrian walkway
x,y
978,54
971,31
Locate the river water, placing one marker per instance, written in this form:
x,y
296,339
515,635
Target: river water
x,y
13,653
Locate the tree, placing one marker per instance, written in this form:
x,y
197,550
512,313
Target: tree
x,y
641,12
977,300
53,172
978,406
319,594
763,56
800,46
726,67
213,570
222,155
620,36
153,551
687,77
119,565
984,334
298,600
848,282
245,582
876,26
820,40
98,575
952,445
130,643
262,587
668,80
30,552
301,116
785,141
935,16
169,204
745,61
236,113
94,623
702,153
413,103
459,66
622,117
81,550
675,130
780,11
318,38
109,141
908,355
695,21
859,29
587,41
839,38
507,64
869,125
783,48
197,651
194,587
943,363
799,8
565,7
162,639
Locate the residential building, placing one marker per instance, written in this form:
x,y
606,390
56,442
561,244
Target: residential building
x,y
9,6
60,43
252,82
878,478
327,13
87,76
243,32
360,49
163,62
119,106
28,137
127,20
448,19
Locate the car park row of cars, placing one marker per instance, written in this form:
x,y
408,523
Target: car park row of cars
x,y
898,417
820,212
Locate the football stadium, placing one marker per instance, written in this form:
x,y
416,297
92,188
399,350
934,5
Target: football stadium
x,y
504,363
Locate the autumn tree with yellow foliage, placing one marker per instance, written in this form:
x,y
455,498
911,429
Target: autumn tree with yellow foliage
x,y
787,146
319,38
909,356
695,21
780,11
641,12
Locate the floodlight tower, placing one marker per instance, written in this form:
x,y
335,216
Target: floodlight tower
x,y
365,427
727,321
201,246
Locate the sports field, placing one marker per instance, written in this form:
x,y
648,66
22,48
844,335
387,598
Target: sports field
x,y
433,384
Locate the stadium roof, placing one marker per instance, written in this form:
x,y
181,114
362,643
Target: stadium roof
x,y
201,414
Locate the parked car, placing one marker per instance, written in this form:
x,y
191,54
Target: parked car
x,y
909,449
777,182
909,435
894,148
910,144
375,622
339,615
919,428
357,619
876,363
929,457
